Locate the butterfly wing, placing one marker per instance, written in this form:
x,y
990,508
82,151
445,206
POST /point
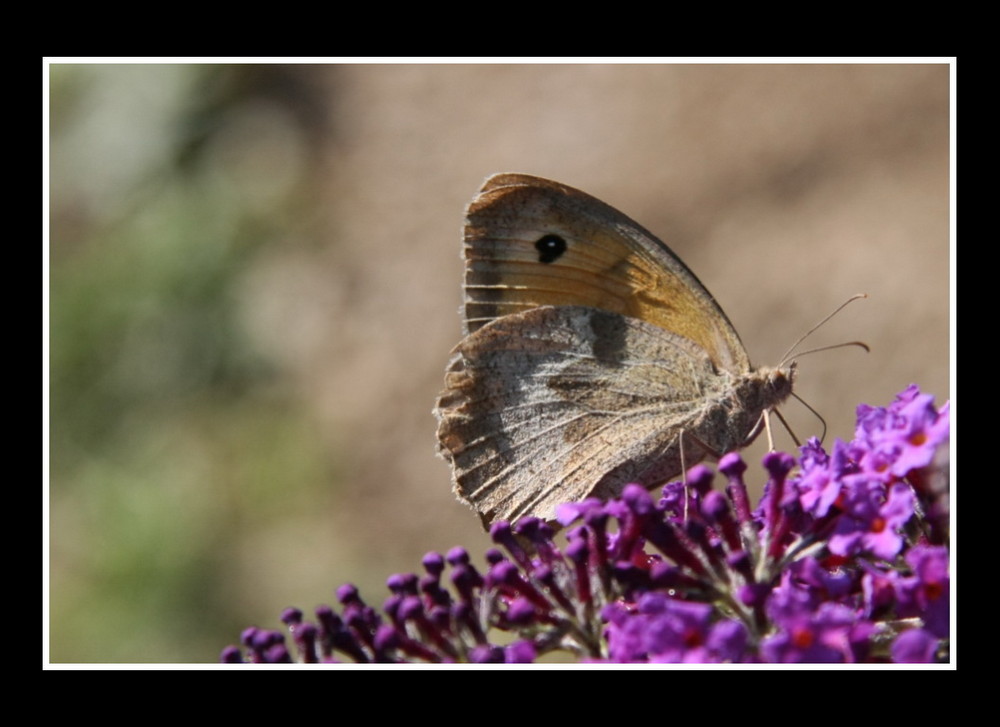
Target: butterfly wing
x,y
532,242
556,404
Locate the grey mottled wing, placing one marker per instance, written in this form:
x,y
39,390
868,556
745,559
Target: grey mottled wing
x,y
559,403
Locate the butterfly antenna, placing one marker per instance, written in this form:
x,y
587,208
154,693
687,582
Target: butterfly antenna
x,y
808,333
859,344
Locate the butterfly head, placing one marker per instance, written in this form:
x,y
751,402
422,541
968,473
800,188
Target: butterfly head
x,y
779,382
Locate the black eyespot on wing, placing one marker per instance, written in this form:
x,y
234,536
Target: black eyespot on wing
x,y
550,248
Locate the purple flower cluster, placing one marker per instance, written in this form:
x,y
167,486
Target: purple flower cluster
x,y
844,560
421,621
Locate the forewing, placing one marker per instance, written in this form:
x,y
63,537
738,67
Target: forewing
x,y
532,242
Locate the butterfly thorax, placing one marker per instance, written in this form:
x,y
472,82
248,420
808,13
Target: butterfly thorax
x,y
734,417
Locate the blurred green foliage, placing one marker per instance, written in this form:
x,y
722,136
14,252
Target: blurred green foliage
x,y
171,436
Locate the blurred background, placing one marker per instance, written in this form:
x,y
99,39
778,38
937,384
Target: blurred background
x,y
255,282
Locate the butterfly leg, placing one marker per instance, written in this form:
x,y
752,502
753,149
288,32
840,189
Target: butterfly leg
x,y
787,429
765,423
766,416
684,473
711,452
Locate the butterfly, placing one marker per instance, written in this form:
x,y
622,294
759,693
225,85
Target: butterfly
x,y
592,357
